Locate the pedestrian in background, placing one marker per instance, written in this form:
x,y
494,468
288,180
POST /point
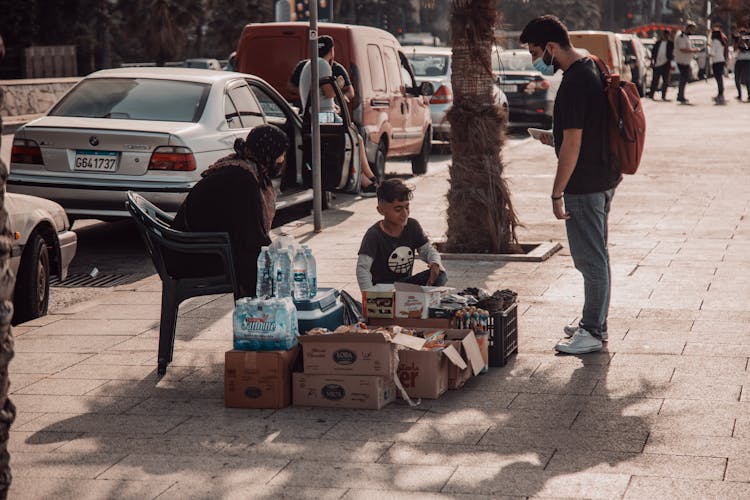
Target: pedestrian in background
x,y
742,63
585,181
683,55
719,55
662,56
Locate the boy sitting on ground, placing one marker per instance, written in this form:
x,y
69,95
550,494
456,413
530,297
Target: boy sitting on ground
x,y
386,254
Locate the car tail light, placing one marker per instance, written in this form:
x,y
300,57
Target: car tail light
x,y
26,151
443,95
172,158
538,85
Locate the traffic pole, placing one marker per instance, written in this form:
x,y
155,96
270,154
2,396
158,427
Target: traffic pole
x,y
315,119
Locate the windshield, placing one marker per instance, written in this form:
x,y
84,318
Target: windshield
x,y
135,99
429,64
512,60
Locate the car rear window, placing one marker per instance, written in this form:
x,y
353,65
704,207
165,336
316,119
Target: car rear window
x,y
135,99
429,64
512,61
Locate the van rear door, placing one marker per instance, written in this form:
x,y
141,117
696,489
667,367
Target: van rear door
x,y
272,57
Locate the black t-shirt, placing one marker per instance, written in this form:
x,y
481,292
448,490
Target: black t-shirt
x,y
393,258
337,70
581,103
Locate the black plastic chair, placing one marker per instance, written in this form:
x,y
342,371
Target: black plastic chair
x,y
153,224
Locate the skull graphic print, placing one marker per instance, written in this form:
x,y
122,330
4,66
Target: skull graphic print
x,y
401,260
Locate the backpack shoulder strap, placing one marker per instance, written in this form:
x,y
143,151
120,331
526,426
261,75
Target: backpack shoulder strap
x,y
602,67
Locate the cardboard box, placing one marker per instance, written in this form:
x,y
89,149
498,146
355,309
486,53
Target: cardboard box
x,y
483,339
467,345
424,373
348,353
377,302
411,322
258,379
414,301
343,391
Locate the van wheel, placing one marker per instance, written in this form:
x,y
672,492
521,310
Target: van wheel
x,y
419,162
31,298
378,168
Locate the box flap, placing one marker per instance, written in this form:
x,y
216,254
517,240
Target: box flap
x,y
452,354
375,337
471,347
409,341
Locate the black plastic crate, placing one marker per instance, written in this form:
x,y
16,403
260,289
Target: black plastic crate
x,y
503,330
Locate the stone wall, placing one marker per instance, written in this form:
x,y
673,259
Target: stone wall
x,y
29,97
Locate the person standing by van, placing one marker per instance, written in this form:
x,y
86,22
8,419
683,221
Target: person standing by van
x,y
719,55
683,54
661,61
585,181
328,111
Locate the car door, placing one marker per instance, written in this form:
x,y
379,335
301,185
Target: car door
x,y
416,109
339,148
396,100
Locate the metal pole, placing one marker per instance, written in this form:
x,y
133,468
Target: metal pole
x,y
315,119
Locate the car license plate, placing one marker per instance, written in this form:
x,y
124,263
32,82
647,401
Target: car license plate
x,y
509,87
99,161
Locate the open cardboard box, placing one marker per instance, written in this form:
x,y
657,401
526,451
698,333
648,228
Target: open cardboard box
x,y
427,373
343,391
347,354
414,301
378,301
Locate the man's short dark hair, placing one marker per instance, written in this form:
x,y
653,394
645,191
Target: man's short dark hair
x,y
394,190
545,29
325,44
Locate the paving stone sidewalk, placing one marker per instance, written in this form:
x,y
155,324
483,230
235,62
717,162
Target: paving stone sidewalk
x,y
663,411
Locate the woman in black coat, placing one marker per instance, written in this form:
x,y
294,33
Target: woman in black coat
x,y
236,196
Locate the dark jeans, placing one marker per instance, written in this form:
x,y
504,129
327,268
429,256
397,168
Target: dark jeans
x,y
684,78
742,76
718,69
421,279
663,73
587,238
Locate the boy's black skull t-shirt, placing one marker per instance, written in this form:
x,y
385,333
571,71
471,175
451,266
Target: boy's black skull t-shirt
x,y
393,258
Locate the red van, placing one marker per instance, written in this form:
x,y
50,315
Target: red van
x,y
391,111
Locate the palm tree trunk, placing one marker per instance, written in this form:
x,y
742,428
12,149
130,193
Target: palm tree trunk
x,y
481,218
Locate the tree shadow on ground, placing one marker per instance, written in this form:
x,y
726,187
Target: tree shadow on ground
x,y
522,430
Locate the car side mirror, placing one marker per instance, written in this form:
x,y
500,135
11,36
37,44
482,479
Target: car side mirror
x,y
426,89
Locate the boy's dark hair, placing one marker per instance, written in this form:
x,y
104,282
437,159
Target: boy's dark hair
x,y
545,29
394,190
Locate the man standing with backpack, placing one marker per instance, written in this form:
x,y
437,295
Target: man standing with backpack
x,y
585,181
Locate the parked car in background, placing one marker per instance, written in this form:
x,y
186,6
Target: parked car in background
x,y
390,109
202,64
43,246
636,57
154,131
606,46
531,95
433,65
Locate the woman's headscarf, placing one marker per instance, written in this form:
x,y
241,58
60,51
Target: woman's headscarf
x,y
263,145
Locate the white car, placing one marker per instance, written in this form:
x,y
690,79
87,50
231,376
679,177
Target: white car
x,y
433,64
43,246
155,130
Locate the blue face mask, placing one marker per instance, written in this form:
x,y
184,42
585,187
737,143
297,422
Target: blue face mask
x,y
544,68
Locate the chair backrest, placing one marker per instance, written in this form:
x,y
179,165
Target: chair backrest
x,y
153,224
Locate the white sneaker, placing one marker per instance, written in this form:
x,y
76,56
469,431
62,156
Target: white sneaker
x,y
580,343
570,330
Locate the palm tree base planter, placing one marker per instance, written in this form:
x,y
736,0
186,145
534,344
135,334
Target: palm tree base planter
x,y
532,252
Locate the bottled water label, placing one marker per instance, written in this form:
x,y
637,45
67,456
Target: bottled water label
x,y
299,277
265,324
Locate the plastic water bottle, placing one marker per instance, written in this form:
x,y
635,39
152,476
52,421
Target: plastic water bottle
x,y
312,271
283,285
301,288
264,284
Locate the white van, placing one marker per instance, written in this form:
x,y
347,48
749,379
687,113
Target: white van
x,y
606,46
